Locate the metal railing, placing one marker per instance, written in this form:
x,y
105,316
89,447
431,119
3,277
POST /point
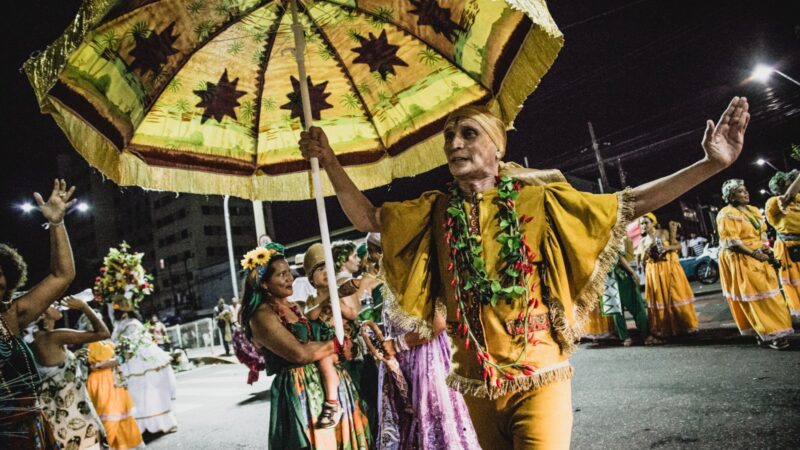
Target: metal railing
x,y
197,334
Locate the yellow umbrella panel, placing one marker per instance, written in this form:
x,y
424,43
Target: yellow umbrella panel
x,y
202,96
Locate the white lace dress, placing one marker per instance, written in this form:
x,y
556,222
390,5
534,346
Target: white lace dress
x,y
151,381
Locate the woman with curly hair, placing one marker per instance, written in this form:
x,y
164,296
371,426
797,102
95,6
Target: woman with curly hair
x,y
22,424
783,213
292,350
749,281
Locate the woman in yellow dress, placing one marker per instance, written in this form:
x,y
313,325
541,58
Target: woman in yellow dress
x,y
783,213
111,399
749,281
669,296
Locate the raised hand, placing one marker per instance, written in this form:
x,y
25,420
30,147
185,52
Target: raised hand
x,y
723,142
75,303
56,206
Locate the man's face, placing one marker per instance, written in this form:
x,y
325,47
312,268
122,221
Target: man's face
x,y
471,154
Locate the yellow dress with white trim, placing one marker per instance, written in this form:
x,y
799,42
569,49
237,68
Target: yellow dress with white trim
x,y
787,223
749,285
669,296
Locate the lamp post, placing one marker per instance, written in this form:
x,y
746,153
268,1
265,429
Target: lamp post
x,y
763,72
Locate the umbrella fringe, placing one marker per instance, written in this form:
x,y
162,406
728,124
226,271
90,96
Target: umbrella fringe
x,y
536,55
43,68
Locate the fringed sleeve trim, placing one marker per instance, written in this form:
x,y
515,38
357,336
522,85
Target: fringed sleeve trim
x,y
406,321
586,300
488,389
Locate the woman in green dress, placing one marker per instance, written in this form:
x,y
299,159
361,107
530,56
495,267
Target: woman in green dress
x,y
284,335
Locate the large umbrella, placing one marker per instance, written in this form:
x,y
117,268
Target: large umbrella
x,y
203,96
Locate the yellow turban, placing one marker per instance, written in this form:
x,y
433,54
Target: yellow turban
x,y
494,127
652,218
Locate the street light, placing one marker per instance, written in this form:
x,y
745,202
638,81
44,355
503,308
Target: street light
x,y
762,73
763,191
82,207
26,207
762,161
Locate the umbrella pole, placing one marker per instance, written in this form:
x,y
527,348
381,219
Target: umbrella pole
x,y
300,46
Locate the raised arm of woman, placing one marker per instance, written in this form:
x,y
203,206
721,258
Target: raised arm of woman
x,y
268,332
790,193
65,336
62,267
722,144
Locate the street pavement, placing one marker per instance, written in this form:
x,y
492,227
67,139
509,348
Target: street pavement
x,y
716,390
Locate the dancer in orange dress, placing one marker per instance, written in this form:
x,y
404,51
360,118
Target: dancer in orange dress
x,y
111,399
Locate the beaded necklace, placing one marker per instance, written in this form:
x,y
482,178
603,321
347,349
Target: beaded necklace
x,y
7,343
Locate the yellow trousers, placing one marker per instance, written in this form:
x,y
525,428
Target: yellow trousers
x,y
540,419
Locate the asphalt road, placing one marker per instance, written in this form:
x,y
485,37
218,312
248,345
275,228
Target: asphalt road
x,y
727,394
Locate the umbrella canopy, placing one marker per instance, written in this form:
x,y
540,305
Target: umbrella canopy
x,y
202,96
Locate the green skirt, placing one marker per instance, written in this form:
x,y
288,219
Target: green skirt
x,y
297,398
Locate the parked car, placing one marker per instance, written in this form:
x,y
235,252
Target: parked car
x,y
703,268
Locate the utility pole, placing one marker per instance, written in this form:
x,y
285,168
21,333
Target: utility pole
x,y
621,173
600,166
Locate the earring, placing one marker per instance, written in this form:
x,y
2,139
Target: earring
x,y
499,155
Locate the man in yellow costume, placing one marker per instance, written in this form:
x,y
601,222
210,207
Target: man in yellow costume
x,y
509,262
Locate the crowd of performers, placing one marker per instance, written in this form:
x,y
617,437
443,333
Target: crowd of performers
x,y
481,294
760,282
113,387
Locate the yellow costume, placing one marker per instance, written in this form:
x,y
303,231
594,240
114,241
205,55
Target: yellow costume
x,y
598,326
787,223
113,403
668,294
750,285
575,237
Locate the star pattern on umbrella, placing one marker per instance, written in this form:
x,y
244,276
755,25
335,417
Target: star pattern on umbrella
x,y
220,99
317,97
378,53
430,13
153,51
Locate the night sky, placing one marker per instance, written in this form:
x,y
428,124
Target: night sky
x,y
646,73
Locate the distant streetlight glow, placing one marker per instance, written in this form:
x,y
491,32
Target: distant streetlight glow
x,y
762,161
762,72
763,191
82,207
26,207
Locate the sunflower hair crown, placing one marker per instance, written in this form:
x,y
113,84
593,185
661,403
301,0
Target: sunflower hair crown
x,y
256,261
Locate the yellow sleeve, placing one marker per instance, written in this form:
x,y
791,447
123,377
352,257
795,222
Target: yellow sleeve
x,y
409,261
773,211
582,242
729,227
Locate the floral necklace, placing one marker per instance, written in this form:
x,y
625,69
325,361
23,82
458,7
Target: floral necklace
x,y
470,279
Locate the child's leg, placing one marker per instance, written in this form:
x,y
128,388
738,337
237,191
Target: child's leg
x,y
330,379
